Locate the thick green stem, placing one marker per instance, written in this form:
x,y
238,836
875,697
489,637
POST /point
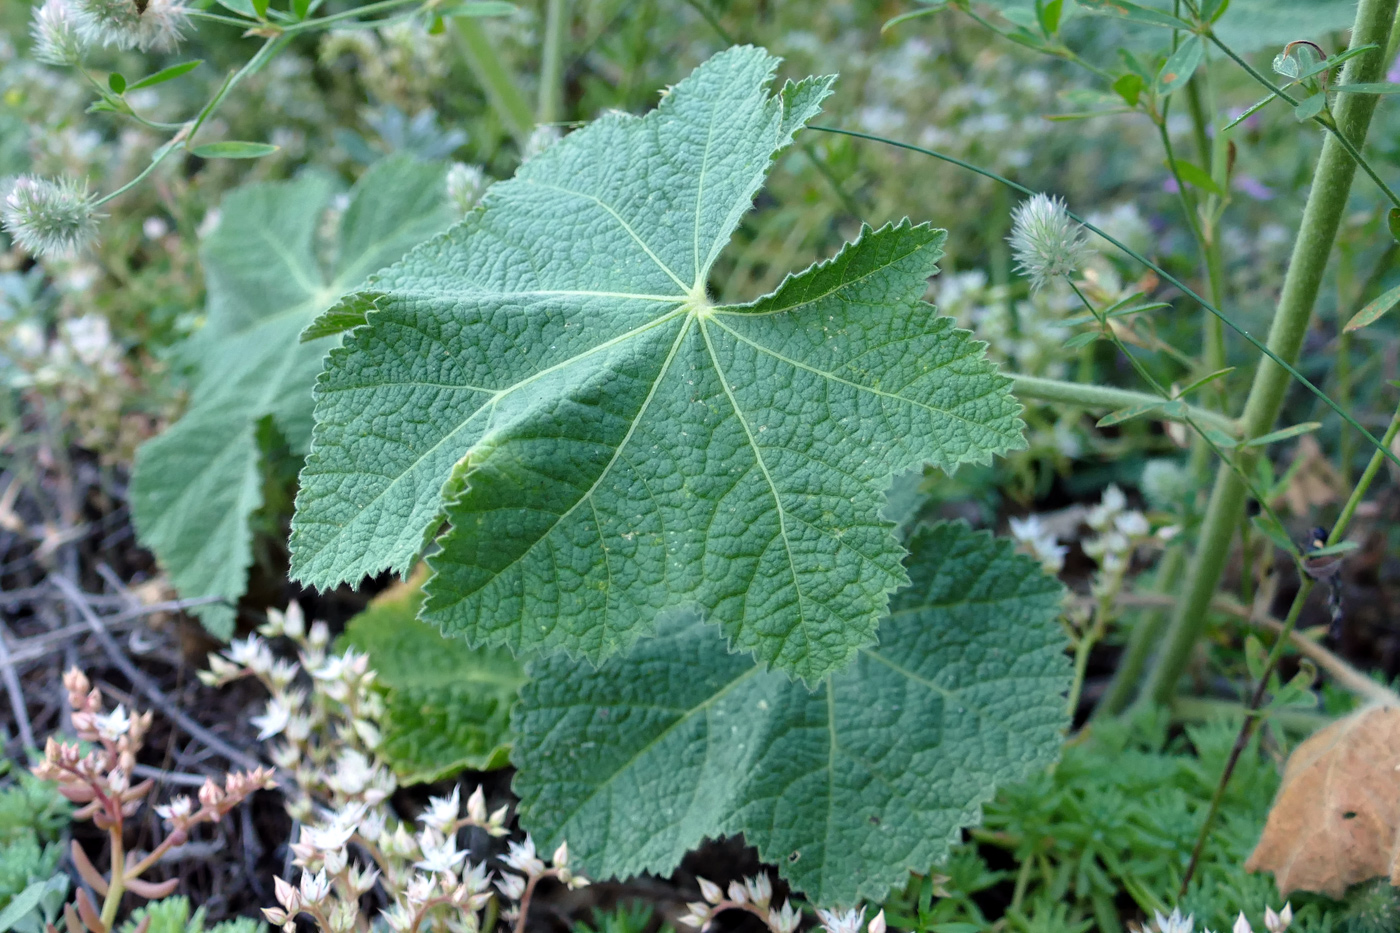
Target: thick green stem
x,y
1107,398
501,90
1321,217
556,26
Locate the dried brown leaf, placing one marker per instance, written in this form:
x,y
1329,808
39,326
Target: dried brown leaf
x,y
1336,818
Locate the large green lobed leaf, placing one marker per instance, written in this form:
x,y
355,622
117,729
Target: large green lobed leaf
x,y
196,485
845,788
550,378
447,706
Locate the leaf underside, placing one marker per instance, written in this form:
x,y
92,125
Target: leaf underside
x,y
447,706
196,484
845,788
550,379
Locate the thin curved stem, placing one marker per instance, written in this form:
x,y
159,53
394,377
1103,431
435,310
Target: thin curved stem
x,y
1325,122
1166,276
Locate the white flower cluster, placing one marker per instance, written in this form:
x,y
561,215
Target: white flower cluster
x,y
1274,922
145,25
755,896
327,715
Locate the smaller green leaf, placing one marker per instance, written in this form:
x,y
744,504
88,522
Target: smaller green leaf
x,y
1220,438
1251,111
1136,411
1378,307
1383,87
1131,11
1194,175
1205,380
260,8
1082,340
447,704
21,905
1330,64
477,8
242,7
1310,107
167,74
301,9
1307,427
1181,66
233,149
116,82
1049,13
1130,87
1341,547
1273,532
1255,656
1212,10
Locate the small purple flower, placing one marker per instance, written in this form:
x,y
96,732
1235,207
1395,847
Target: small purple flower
x,y
1254,188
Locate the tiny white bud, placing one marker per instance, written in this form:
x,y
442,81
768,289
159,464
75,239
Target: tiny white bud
x,y
476,806
877,923
560,859
710,891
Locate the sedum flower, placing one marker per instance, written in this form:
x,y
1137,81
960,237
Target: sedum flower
x,y
523,859
1046,242
50,218
112,726
838,921
439,854
273,720
1176,923
442,812
128,24
1278,922
55,32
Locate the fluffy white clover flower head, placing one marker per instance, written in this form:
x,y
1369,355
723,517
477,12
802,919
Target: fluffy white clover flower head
x,y
146,25
50,218
55,32
465,184
1046,241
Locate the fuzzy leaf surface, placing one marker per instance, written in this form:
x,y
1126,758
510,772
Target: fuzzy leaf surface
x,y
447,706
196,484
549,378
845,788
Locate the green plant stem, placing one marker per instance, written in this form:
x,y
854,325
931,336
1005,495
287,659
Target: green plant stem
x,y
1321,217
1358,493
1107,398
117,886
182,138
501,89
1166,276
556,27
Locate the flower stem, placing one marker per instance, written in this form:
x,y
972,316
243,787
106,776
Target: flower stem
x,y
117,886
1321,217
1108,398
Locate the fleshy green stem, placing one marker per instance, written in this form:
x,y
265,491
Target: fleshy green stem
x,y
1108,398
1321,217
